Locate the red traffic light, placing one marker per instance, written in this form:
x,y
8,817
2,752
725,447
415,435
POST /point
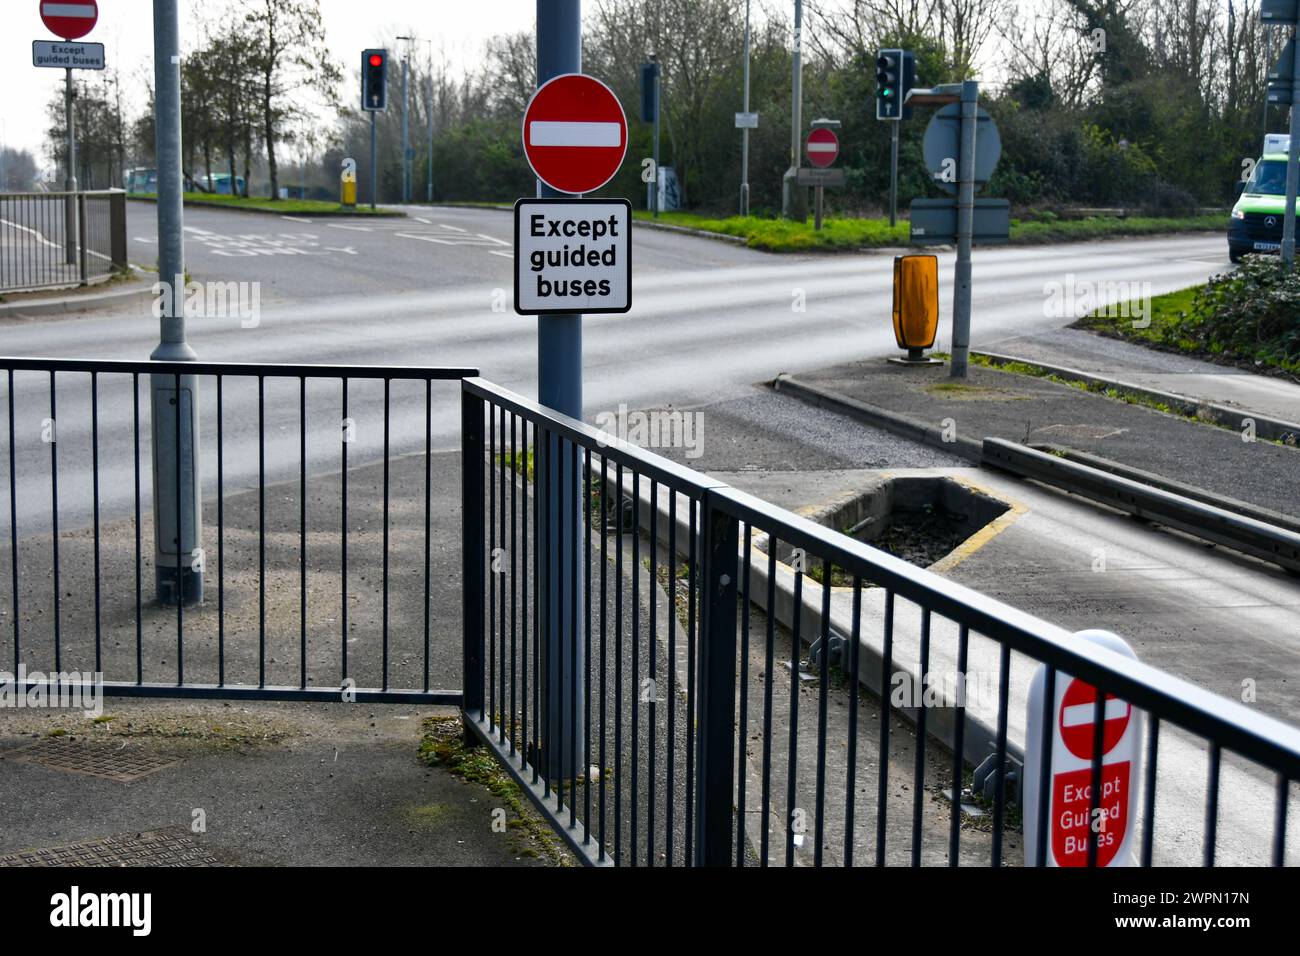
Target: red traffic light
x,y
376,59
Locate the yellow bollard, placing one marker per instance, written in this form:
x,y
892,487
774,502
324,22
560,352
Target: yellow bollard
x,y
916,307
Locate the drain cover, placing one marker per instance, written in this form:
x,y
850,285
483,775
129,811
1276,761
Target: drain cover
x,y
120,763
167,847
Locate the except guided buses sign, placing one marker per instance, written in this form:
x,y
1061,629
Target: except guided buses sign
x,y
1073,729
573,256
62,55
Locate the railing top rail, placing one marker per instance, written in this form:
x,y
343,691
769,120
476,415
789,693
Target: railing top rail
x,y
54,194
255,370
1232,725
675,476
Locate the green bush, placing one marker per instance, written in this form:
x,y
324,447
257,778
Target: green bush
x,y
1251,314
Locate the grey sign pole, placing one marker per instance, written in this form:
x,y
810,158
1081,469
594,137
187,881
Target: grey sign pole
x,y
174,422
792,197
965,227
70,176
658,109
1292,163
893,173
744,133
406,123
559,387
374,162
430,111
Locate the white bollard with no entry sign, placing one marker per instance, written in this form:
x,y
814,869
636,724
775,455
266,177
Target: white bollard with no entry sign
x,y
1069,780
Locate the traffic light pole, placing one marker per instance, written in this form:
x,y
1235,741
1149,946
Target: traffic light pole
x,y
961,300
374,162
406,126
893,173
1293,162
559,387
658,110
430,111
177,509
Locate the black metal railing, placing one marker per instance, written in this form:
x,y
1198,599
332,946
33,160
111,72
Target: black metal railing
x,y
635,653
319,511
54,239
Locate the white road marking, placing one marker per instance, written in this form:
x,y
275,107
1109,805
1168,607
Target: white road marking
x,y
421,219
199,232
501,253
145,239
551,133
493,239
449,226
335,225
296,219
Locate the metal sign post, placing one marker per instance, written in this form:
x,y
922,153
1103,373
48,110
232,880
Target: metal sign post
x,y
744,130
1292,165
177,510
793,201
965,226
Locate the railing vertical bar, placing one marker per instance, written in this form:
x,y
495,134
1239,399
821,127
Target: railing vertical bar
x,y
1000,754
792,764
387,430
823,679
670,763
851,777
428,521
652,657
586,657
918,773
743,723
1279,820
261,531
94,468
503,468
139,600
692,619
54,519
546,734
636,663
1047,717
345,433
958,743
882,791
575,549
618,668
604,602
521,477
513,470
492,566
769,653
180,543
1212,804
1149,823
13,523
221,543
302,529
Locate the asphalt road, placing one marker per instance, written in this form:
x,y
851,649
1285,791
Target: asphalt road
x,y
709,318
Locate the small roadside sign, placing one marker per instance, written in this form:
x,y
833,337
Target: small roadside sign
x,y
70,19
746,121
575,133
823,147
934,222
1073,730
573,256
812,176
61,55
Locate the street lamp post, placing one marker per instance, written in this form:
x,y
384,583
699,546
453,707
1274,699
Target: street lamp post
x,y
744,133
792,196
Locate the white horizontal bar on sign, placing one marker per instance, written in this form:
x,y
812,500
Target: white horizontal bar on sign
x,y
549,133
86,10
822,147
1083,713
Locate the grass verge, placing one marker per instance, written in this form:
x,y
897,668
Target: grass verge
x,y
284,207
781,235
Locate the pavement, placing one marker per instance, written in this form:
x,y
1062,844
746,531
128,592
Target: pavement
x,y
1273,396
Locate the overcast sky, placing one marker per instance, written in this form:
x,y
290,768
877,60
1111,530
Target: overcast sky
x,y
126,29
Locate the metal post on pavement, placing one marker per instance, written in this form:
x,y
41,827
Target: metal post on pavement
x,y
559,387
792,198
430,112
1292,162
174,422
406,122
70,176
893,173
965,226
658,109
374,162
744,133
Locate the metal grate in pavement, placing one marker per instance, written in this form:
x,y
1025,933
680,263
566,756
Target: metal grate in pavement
x,y
165,847
108,761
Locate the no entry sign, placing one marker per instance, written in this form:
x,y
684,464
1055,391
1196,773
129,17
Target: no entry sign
x,y
70,19
575,133
823,147
1073,730
573,256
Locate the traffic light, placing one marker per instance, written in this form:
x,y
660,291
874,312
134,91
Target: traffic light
x,y
649,92
374,80
889,77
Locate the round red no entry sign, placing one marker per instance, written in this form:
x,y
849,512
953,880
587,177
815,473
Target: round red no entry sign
x,y
575,133
70,19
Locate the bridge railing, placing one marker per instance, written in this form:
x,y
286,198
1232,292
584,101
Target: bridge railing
x,y
59,239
